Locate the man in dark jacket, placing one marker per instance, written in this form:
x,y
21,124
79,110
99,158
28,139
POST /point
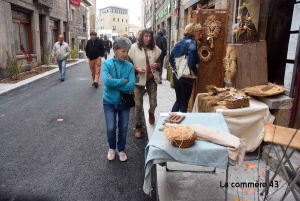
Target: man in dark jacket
x,y
94,51
161,43
105,43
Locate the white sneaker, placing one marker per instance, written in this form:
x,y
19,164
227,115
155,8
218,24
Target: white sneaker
x,y
122,156
111,154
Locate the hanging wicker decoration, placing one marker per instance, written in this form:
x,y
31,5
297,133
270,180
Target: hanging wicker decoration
x,y
229,63
209,52
212,27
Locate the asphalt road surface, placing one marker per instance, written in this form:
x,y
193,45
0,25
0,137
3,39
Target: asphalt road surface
x,y
43,159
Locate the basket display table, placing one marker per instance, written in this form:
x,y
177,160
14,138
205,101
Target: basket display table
x,y
202,153
246,123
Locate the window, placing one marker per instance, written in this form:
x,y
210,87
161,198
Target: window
x,y
113,19
83,24
122,20
73,15
118,20
126,20
125,28
114,28
22,36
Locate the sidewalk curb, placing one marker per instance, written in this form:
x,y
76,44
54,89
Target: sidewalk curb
x,y
11,87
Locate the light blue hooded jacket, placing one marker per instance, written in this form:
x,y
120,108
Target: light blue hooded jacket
x,y
113,86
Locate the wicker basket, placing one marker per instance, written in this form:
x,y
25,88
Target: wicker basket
x,y
184,143
182,136
237,103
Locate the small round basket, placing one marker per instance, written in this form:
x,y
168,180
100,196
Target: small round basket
x,y
184,143
181,136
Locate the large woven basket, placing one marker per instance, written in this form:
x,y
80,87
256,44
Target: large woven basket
x,y
184,143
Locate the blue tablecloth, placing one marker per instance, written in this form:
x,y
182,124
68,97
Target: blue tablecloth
x,y
202,153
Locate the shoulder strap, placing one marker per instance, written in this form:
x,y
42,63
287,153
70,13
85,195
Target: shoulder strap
x,y
115,69
187,48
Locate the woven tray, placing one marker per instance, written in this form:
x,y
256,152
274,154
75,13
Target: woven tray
x,y
238,103
184,143
264,90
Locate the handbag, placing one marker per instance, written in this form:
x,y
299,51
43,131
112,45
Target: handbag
x,y
183,71
127,99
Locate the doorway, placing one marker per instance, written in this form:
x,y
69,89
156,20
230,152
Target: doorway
x,y
277,37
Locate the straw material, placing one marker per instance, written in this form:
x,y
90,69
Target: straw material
x,y
229,63
264,90
181,136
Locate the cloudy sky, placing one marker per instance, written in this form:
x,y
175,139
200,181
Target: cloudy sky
x,y
134,7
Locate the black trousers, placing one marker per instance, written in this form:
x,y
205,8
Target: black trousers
x,y
183,92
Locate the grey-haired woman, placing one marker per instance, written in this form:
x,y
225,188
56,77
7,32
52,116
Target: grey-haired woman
x,y
118,75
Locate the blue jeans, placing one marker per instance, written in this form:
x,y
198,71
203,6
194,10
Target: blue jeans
x,y
62,67
105,54
111,111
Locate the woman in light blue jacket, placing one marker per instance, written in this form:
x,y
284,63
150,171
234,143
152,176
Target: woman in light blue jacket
x,y
118,75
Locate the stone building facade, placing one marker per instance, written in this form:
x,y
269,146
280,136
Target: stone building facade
x,y
114,18
36,24
79,25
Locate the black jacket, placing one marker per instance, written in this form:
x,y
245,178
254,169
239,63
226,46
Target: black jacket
x,y
161,43
94,49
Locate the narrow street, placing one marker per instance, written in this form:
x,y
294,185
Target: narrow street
x,y
42,158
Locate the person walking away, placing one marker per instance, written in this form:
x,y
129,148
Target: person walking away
x,y
106,46
183,90
145,58
60,52
109,46
161,43
136,37
94,51
118,76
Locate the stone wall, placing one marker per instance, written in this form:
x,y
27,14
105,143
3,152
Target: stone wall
x,y
59,10
76,26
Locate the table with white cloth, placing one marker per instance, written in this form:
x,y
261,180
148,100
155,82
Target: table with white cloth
x,y
246,123
202,153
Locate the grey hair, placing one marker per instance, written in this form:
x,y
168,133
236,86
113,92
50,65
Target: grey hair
x,y
121,42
